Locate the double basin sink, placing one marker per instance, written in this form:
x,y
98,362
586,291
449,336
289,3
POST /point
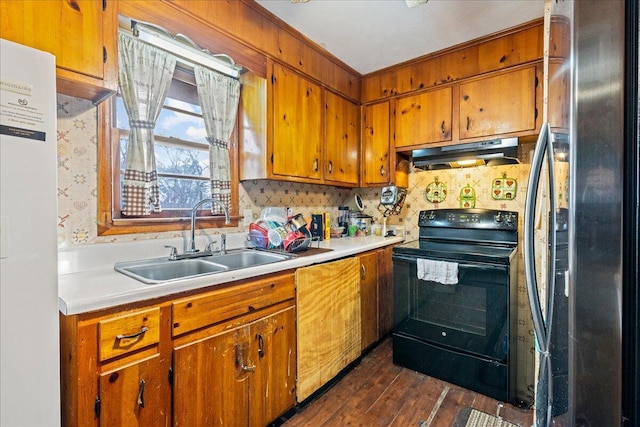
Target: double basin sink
x,y
160,270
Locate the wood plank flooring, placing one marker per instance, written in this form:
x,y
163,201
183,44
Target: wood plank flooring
x,y
378,393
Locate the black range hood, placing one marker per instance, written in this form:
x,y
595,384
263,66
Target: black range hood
x,y
493,152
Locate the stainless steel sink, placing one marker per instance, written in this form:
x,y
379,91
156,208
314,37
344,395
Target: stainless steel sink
x,y
247,258
162,270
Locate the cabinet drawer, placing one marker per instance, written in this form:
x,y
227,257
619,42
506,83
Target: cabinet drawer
x,y
223,304
123,334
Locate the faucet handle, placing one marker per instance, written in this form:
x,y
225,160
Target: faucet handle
x,y
174,252
210,246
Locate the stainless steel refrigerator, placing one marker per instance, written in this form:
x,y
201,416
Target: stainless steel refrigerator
x,y
582,280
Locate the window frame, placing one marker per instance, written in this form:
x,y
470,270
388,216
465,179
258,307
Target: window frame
x,y
110,220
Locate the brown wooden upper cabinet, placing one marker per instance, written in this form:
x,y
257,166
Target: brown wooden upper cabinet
x,y
297,125
375,144
342,145
559,90
296,130
504,102
80,33
423,118
500,104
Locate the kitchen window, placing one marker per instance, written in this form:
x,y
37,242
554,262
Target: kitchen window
x,y
182,161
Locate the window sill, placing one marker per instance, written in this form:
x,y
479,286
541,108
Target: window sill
x,y
117,226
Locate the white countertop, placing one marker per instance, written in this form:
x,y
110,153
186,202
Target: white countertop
x,y
88,282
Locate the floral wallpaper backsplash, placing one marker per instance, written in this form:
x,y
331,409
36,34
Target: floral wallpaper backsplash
x,y
77,170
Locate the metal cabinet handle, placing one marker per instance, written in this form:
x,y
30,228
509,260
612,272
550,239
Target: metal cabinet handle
x,y
330,167
260,346
442,129
246,368
141,394
381,170
468,122
315,165
136,335
363,271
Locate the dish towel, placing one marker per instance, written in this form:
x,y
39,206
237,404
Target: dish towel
x,y
438,271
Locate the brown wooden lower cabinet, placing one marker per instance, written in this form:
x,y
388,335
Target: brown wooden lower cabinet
x,y
210,386
221,356
385,290
376,295
134,395
368,298
273,385
242,377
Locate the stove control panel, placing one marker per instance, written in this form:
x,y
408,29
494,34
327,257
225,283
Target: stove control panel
x,y
469,218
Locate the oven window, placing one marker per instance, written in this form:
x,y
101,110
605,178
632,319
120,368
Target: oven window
x,y
458,307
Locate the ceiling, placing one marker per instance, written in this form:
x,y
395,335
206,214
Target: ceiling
x,y
369,35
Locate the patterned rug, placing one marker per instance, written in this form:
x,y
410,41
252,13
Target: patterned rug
x,y
469,417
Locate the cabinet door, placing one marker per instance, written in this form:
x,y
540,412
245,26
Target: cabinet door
x,y
328,313
136,395
80,33
297,125
423,118
341,141
504,103
375,144
385,290
211,381
368,299
72,31
559,90
273,351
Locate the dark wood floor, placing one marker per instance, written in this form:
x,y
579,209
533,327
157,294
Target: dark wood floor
x,y
378,393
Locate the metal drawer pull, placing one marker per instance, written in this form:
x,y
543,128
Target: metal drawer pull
x,y
141,394
136,335
246,368
363,271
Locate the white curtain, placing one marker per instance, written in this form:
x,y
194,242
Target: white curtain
x,y
219,96
145,74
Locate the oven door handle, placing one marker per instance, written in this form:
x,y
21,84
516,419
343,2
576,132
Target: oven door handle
x,y
413,259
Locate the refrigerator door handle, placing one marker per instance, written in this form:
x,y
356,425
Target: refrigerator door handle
x,y
551,278
528,237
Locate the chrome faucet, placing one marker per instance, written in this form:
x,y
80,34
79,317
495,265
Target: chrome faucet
x,y
192,242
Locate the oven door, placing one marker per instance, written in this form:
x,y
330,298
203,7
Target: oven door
x,y
471,316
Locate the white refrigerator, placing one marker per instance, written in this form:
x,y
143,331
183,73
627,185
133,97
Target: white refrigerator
x,y
29,346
